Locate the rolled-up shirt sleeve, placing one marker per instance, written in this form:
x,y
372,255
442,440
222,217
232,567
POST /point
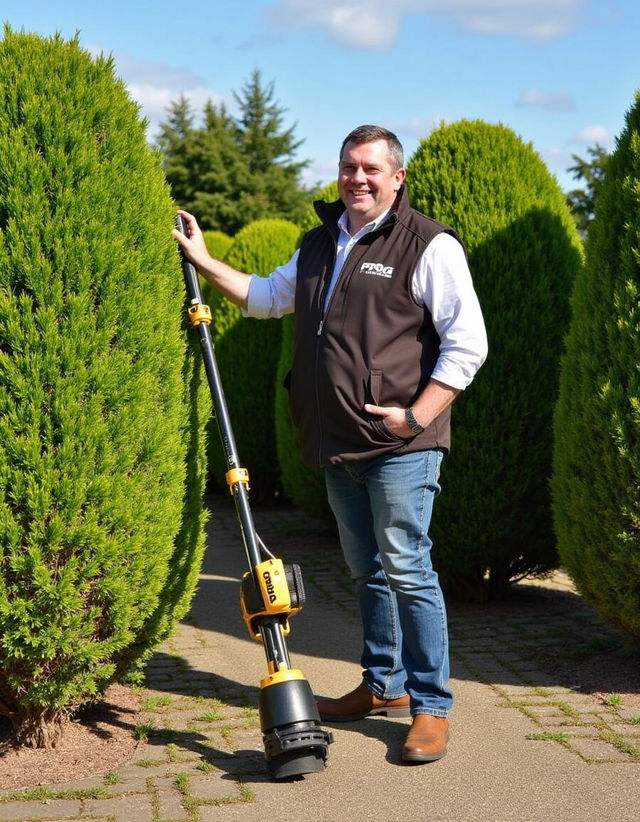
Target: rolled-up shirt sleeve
x,y
273,296
442,282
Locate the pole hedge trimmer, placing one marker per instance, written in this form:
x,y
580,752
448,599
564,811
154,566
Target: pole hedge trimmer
x,y
270,592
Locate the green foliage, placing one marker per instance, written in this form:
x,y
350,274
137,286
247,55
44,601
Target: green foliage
x,y
582,201
218,243
232,171
596,482
492,523
302,483
247,351
101,468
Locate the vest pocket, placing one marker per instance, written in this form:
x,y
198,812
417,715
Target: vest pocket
x,y
375,385
377,423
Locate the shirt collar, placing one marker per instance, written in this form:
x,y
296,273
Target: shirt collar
x,y
343,224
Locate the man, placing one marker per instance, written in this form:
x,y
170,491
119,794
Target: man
x,y
388,332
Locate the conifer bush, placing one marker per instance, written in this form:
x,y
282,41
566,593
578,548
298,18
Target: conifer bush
x,y
596,481
303,484
493,524
247,352
101,406
218,243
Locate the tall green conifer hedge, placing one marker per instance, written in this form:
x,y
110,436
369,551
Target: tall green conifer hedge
x,y
247,352
596,481
493,522
101,468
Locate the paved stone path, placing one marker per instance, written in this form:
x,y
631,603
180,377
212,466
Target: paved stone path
x,y
200,755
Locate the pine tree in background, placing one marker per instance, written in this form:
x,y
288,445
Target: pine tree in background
x,y
231,171
492,523
247,352
204,165
596,482
302,483
582,201
101,454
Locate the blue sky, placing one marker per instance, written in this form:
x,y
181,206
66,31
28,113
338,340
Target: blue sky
x,y
560,73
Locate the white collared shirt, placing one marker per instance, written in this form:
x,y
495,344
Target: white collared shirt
x,y
441,282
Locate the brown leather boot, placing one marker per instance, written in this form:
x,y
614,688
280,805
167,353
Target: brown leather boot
x,y
360,703
427,739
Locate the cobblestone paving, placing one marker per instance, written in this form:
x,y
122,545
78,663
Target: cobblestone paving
x,y
200,746
502,645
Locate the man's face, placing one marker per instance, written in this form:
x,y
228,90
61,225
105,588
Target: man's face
x,y
367,181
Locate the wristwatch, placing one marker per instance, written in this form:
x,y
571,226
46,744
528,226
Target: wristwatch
x,y
413,424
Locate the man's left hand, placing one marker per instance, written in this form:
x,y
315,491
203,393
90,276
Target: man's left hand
x,y
393,418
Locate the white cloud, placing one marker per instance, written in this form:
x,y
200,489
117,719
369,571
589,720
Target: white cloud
x,y
369,23
555,101
591,135
417,126
321,172
530,19
375,23
155,100
155,85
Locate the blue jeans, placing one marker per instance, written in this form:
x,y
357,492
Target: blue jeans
x,y
383,509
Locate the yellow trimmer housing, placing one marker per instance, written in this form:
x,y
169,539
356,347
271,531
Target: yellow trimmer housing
x,y
271,589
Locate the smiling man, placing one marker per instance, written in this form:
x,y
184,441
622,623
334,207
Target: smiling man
x,y
388,332
369,178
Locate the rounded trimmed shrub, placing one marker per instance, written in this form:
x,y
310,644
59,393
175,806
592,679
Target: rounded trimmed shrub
x,y
218,243
493,523
247,351
101,469
303,484
596,481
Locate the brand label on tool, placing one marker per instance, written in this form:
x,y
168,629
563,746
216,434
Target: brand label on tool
x,y
271,591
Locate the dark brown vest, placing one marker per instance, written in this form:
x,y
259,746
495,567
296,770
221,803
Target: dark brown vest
x,y
375,344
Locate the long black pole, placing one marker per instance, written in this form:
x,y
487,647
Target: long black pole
x,y
271,630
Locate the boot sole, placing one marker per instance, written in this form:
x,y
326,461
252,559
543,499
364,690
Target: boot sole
x,y
417,758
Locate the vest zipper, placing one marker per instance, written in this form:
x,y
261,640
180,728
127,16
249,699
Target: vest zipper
x,y
323,292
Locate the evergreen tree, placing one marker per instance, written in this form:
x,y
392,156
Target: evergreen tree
x,y
232,171
175,138
218,243
582,201
492,523
596,481
204,165
101,447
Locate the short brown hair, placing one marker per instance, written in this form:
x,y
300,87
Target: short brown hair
x,y
368,134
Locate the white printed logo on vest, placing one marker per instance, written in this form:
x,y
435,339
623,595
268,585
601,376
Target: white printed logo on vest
x,y
378,269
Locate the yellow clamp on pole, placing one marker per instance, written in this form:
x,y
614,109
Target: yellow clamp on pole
x,y
199,313
236,476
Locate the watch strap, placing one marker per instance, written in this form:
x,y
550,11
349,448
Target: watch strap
x,y
413,424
